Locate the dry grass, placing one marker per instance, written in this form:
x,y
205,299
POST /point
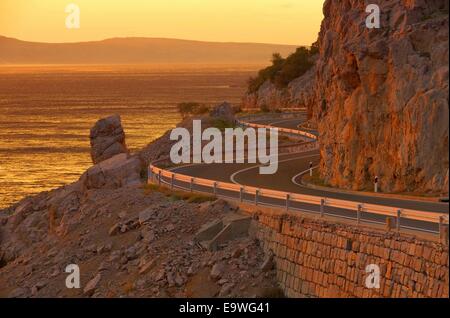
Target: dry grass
x,y
177,195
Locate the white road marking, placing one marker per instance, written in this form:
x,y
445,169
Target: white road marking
x,y
233,176
300,174
186,166
202,163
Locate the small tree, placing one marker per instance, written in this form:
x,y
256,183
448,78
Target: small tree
x,y
283,71
192,108
185,108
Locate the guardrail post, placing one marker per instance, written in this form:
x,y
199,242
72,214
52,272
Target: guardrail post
x,y
399,215
215,188
149,175
159,177
256,197
443,231
241,194
376,185
172,180
322,208
191,185
358,214
288,197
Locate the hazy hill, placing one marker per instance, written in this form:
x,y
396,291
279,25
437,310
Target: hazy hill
x,y
136,50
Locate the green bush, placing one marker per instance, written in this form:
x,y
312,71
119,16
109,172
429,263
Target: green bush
x,y
192,108
294,66
283,71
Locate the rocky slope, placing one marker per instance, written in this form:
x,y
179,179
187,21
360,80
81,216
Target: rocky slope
x,y
380,96
128,239
299,93
383,96
127,242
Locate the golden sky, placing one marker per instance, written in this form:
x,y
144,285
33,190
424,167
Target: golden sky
x,y
267,21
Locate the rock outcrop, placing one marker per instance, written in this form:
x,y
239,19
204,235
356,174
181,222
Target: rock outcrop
x,y
107,139
378,96
118,171
223,111
382,96
299,94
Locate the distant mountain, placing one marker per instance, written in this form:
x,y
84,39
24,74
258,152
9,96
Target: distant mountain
x,y
136,51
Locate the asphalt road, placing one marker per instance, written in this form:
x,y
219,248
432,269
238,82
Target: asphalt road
x,y
290,165
292,123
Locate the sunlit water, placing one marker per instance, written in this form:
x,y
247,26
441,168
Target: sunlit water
x,y
46,113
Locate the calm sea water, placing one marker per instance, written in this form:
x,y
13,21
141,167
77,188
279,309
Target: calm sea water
x,y
46,113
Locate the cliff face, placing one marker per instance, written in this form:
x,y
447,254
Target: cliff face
x,y
379,96
299,93
382,96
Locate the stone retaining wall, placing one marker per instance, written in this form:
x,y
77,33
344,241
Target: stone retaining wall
x,y
317,258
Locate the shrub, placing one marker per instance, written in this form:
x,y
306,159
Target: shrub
x,y
201,109
294,66
283,71
192,108
178,195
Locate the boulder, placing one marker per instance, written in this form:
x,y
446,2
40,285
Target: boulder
x,y
107,139
223,111
217,271
91,286
116,172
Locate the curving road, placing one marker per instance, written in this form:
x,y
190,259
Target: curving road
x,y
287,179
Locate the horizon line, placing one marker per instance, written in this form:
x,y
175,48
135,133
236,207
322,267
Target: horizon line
x,y
153,38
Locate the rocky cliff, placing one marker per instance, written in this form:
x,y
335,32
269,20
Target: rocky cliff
x,y
382,96
299,93
379,96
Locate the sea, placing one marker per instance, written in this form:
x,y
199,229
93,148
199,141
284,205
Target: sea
x,y
46,113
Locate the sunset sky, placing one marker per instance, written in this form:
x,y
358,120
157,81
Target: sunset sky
x,y
267,21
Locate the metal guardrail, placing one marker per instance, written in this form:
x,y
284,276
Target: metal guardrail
x,y
280,129
280,112
271,116
157,174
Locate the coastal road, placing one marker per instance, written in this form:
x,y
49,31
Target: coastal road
x,y
290,166
292,123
